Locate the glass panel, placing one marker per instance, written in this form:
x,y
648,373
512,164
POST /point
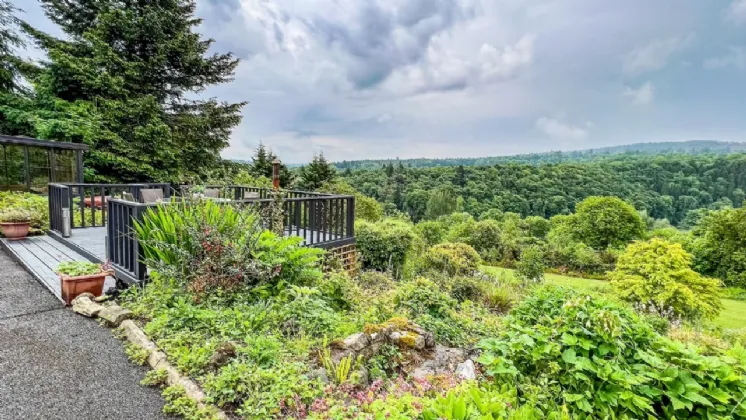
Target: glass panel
x,y
65,169
38,160
16,168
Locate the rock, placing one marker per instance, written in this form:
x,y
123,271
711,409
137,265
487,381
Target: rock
x,y
114,315
444,360
319,374
419,342
102,298
356,342
395,337
377,337
371,350
223,354
466,370
360,377
83,305
429,340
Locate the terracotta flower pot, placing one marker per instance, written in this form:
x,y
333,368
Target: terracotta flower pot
x,y
72,287
17,230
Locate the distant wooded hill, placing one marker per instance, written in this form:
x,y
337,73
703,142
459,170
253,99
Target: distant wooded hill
x,y
693,147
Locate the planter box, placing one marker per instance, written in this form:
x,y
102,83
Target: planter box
x,y
72,287
15,230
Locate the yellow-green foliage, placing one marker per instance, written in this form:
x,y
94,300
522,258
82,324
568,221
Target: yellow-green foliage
x,y
452,258
36,205
398,323
409,339
658,275
136,354
384,245
157,377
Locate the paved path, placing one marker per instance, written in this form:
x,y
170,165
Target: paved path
x,y
55,364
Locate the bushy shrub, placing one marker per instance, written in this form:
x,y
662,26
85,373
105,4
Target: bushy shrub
x,y
384,245
421,296
209,245
658,274
537,226
603,361
530,268
452,259
37,206
304,310
432,232
719,246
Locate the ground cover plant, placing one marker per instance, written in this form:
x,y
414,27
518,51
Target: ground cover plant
x,y
254,320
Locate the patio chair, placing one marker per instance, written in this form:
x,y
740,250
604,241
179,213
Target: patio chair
x,y
151,195
248,195
212,193
128,196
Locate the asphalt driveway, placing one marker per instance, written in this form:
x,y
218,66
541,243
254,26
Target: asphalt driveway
x,y
55,364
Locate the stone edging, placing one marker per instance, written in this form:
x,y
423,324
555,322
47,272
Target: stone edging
x,y
113,315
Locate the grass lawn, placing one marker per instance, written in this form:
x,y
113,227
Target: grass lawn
x,y
732,316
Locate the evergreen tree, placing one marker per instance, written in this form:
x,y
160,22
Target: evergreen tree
x,y
262,165
317,173
9,40
120,83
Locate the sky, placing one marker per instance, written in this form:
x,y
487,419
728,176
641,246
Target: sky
x,y
372,79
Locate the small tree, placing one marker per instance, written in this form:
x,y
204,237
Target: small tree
x,y
657,275
452,259
604,221
530,268
317,173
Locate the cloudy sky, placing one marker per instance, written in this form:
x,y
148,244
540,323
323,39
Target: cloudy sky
x,y
363,79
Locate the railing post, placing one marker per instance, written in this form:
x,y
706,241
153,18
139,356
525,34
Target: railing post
x,y
351,217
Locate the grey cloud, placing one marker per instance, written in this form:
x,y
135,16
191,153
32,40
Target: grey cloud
x,y
380,40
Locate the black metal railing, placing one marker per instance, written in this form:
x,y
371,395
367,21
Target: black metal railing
x,y
326,221
242,192
87,202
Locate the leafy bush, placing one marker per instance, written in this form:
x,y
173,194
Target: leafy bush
x,y
304,310
607,221
431,231
605,362
537,226
37,207
452,259
719,246
531,266
422,296
384,245
210,245
658,274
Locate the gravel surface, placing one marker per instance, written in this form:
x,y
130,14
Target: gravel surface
x,y
55,364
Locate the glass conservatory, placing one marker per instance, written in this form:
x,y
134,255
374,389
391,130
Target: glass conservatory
x,y
28,164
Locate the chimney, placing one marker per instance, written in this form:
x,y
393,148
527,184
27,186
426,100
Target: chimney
x,y
276,174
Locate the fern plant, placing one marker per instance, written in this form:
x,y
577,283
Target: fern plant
x,y
338,372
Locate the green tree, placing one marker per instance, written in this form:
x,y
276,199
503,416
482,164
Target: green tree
x,y
9,41
720,245
441,202
123,81
607,221
262,165
316,173
530,268
657,275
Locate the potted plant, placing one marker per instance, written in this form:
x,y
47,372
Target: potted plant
x,y
15,223
78,277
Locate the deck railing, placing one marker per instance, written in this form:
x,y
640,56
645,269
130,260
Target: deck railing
x,y
323,221
86,203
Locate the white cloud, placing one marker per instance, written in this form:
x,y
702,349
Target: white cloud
x,y
655,55
558,129
642,95
736,12
501,64
735,57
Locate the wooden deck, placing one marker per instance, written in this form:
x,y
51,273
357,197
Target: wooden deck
x,y
40,256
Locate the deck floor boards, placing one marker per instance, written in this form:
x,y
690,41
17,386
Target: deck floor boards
x,y
41,255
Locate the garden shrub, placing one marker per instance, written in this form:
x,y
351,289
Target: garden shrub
x,y
537,226
604,361
303,310
530,268
657,275
452,259
211,245
719,246
422,296
36,205
384,245
432,232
